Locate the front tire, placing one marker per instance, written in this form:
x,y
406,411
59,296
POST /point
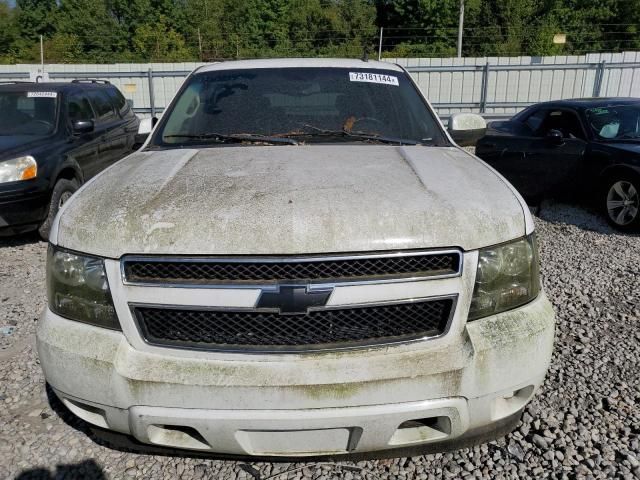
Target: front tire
x,y
622,202
62,191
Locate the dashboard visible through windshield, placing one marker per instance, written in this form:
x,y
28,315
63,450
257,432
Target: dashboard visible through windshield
x,y
298,105
28,112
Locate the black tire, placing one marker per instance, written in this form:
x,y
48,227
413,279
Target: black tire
x,y
62,191
621,202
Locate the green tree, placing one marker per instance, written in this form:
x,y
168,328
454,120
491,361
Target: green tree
x,y
431,23
92,23
204,31
35,18
356,25
63,48
583,22
130,14
167,30
628,13
31,19
310,26
8,33
500,27
159,42
242,27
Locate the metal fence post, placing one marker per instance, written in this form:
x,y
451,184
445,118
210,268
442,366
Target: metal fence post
x,y
151,97
485,88
597,82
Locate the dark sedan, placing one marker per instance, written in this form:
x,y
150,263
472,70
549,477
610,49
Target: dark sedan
x,y
53,138
587,148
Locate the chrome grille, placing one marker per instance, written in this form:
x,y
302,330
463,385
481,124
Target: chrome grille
x,y
328,328
213,270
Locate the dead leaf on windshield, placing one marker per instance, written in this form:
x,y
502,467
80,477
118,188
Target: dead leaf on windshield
x,y
349,123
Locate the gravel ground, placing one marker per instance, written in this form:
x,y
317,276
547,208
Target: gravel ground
x,y
585,423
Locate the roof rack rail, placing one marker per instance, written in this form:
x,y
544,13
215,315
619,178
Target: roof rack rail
x,y
15,81
90,80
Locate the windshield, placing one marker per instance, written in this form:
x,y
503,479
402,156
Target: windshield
x,y
617,122
28,113
299,105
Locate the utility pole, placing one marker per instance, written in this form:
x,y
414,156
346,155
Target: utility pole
x,y
460,27
380,45
200,43
42,54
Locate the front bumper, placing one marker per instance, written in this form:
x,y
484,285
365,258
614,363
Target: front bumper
x,y
22,207
309,404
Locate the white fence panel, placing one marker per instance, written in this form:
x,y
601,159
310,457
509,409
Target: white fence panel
x,y
498,86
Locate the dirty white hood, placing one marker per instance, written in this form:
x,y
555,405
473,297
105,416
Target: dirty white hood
x,y
291,199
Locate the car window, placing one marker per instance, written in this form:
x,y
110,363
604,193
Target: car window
x,y
534,121
28,112
302,103
615,122
565,121
118,100
79,108
102,104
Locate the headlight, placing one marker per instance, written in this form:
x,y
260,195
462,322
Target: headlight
x,y
507,276
23,168
77,289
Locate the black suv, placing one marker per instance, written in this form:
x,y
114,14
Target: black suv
x,y
53,138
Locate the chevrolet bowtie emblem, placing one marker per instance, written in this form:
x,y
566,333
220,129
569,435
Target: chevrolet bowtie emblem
x,y
294,298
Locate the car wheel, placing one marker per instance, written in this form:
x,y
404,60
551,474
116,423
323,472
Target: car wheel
x,y
622,207
62,191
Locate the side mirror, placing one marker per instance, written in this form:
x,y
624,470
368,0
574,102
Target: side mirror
x,y
81,127
466,128
144,129
555,137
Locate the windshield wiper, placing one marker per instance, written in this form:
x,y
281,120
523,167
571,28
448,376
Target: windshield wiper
x,y
374,137
234,138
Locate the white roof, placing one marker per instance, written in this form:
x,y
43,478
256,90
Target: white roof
x,y
299,63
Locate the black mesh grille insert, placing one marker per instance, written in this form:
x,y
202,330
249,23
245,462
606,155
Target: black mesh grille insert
x,y
257,330
217,271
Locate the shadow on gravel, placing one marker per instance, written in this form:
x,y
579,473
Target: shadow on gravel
x,y
88,470
582,216
20,240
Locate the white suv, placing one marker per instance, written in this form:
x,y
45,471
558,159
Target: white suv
x,y
299,261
